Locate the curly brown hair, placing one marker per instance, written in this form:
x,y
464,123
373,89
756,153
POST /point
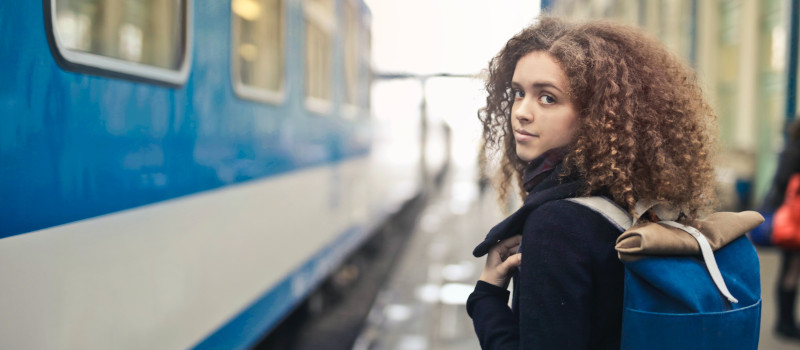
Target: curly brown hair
x,y
657,141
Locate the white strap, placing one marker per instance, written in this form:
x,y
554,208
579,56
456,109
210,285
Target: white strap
x,y
606,207
708,257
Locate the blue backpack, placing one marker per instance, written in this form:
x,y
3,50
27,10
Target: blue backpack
x,y
762,234
686,302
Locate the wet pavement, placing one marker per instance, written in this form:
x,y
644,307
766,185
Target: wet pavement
x,y
422,305
770,263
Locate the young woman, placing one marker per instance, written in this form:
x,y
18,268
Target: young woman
x,y
581,110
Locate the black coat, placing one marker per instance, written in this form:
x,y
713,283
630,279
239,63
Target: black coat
x,y
788,164
568,291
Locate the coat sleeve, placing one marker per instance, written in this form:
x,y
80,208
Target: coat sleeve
x,y
494,322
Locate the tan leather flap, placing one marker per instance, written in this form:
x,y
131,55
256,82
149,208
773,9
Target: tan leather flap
x,y
719,229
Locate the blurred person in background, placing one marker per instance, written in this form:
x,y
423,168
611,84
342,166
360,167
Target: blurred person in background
x,y
788,164
591,109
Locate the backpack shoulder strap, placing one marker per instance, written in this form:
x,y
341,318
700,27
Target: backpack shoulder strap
x,y
606,207
623,221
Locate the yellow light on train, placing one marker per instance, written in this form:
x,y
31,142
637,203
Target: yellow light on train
x,y
247,9
249,52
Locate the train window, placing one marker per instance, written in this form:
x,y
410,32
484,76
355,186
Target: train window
x,y
320,25
351,57
258,49
140,39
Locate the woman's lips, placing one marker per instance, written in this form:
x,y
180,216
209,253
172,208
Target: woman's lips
x,y
523,136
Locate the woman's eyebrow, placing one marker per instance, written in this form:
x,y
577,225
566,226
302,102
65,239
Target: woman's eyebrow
x,y
539,85
545,84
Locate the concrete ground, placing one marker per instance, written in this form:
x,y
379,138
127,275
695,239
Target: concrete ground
x,y
422,305
770,263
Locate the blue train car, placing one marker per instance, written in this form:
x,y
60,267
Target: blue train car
x,y
182,173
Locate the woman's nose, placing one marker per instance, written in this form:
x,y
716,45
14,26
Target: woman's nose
x,y
524,116
523,112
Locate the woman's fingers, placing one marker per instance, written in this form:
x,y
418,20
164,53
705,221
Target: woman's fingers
x,y
512,262
499,273
511,242
508,246
501,261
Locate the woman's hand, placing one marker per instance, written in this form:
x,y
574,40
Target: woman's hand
x,y
501,261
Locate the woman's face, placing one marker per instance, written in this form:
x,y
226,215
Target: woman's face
x,y
543,116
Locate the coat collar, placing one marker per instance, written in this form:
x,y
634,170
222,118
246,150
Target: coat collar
x,y
540,168
554,187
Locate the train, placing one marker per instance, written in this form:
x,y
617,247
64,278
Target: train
x,y
182,174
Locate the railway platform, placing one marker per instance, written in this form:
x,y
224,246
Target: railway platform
x,y
422,305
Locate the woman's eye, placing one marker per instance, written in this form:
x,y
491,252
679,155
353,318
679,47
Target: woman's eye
x,y
546,99
518,93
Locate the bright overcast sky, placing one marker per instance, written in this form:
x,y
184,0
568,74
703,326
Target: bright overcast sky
x,y
443,36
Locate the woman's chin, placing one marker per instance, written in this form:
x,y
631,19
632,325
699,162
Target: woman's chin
x,y
526,159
